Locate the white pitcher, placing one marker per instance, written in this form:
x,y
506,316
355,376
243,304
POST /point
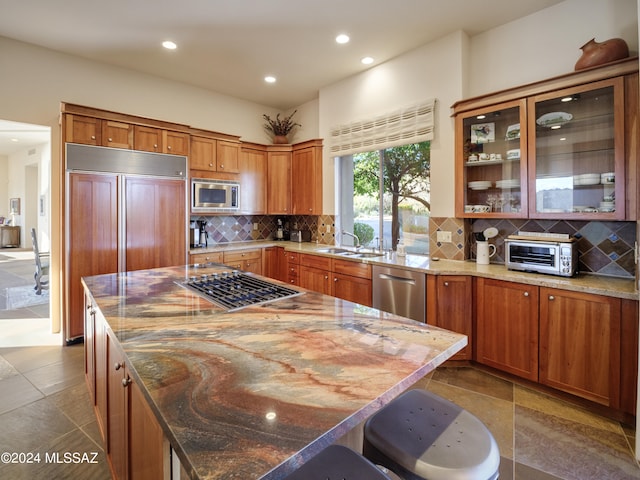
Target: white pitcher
x,y
484,252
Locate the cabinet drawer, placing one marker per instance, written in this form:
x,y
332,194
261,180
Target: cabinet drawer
x,y
293,257
315,261
215,257
242,255
355,269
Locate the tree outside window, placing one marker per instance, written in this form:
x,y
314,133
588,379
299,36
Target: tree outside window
x,y
390,196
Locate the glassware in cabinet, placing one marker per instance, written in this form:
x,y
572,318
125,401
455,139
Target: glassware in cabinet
x,y
577,152
491,158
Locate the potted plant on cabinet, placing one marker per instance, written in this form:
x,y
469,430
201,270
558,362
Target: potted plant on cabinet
x,y
280,127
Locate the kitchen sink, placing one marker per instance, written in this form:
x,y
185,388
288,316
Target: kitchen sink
x,y
367,254
349,253
336,251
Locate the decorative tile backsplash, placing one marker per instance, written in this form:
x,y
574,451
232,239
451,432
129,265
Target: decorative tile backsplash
x,y
243,228
605,248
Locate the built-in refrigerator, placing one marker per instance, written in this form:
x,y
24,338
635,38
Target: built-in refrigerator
x,y
125,210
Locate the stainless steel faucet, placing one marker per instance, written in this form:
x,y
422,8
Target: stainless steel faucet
x,y
354,236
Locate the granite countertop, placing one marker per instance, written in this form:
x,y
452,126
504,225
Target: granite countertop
x,y
587,283
256,392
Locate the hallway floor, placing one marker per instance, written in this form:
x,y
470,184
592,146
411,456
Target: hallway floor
x,y
45,409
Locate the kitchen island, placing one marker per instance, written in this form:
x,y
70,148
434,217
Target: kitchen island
x,y
251,393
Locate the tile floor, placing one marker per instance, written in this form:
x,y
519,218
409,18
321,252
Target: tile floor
x,y
45,408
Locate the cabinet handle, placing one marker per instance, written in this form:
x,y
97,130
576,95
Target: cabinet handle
x,y
335,279
446,284
118,365
222,166
526,294
326,277
126,381
155,145
551,297
110,139
311,209
168,147
93,137
211,164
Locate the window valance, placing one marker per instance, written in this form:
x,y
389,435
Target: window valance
x,y
412,124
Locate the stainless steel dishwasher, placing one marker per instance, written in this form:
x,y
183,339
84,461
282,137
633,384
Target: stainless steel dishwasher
x,y
399,291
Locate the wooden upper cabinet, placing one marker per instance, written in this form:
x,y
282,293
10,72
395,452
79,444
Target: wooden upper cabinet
x,y
203,154
211,155
306,172
176,143
228,155
565,147
253,180
95,131
279,182
117,134
151,139
81,129
148,139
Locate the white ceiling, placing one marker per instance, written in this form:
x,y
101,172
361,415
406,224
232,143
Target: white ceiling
x,y
228,46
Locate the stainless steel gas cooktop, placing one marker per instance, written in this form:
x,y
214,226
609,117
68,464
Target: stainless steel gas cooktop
x,y
233,290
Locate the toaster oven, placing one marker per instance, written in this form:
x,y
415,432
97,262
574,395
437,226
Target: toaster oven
x,y
555,257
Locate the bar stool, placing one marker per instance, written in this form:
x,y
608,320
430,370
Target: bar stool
x,y
421,436
338,463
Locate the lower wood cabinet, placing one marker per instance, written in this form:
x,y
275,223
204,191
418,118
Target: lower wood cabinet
x,y
344,279
507,327
450,306
274,263
580,344
245,260
135,443
210,257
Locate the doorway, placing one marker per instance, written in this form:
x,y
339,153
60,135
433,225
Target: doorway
x,y
25,173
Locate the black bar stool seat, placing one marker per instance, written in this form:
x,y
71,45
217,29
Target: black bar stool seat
x,y
421,436
338,463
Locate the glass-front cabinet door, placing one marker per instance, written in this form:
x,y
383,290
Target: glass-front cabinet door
x,y
491,169
576,152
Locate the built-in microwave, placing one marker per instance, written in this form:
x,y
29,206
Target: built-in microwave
x,y
209,195
542,256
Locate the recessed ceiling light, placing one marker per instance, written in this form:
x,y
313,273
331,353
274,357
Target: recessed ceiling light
x,y
366,60
481,117
270,79
169,45
342,38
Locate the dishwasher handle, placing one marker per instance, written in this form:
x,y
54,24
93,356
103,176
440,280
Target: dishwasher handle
x,y
393,278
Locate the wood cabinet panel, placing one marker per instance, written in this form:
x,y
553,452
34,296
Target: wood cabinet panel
x,y
253,181
316,279
117,134
507,327
246,260
306,173
353,289
580,344
117,441
147,446
147,139
214,257
92,238
355,269
203,154
156,223
228,155
279,183
176,143
274,262
81,129
628,355
450,306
